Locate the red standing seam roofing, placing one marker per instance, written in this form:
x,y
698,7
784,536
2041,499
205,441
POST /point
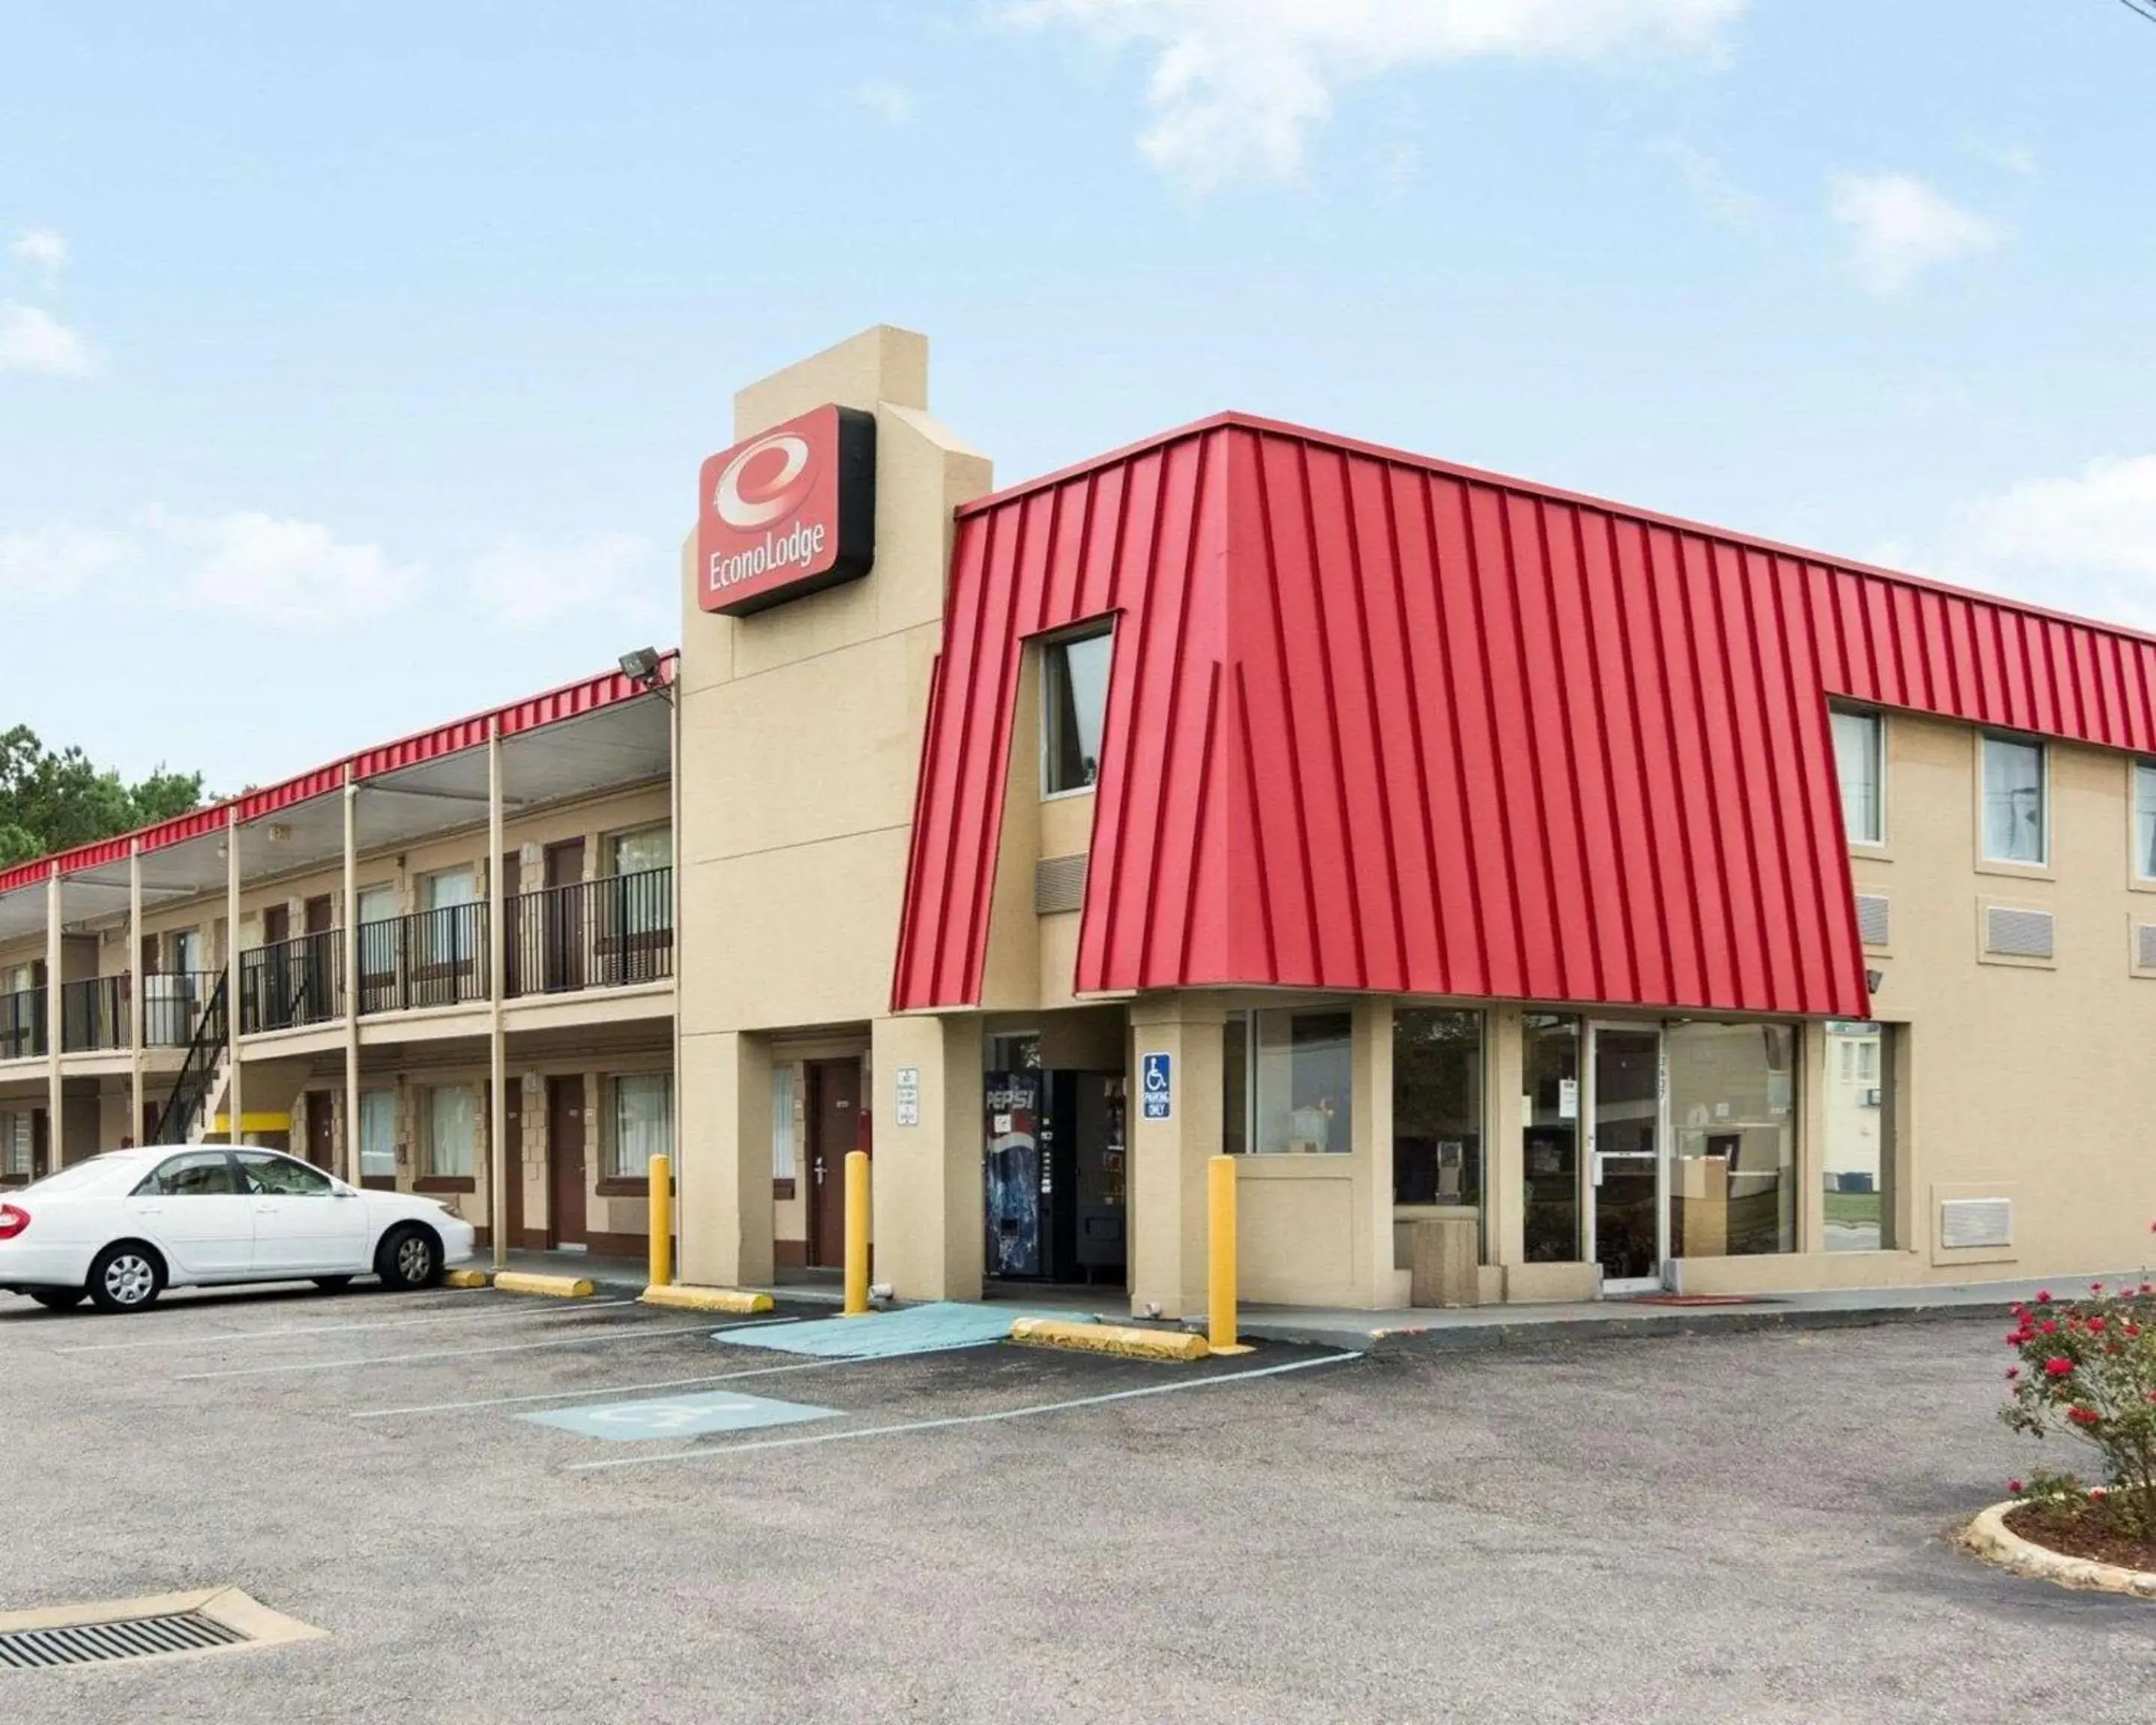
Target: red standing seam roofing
x,y
534,712
1377,721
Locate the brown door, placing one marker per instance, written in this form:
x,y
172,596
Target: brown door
x,y
321,1131
514,1161
318,966
564,930
276,924
834,1108
512,923
565,1161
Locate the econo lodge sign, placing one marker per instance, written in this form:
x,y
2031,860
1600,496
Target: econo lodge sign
x,y
789,512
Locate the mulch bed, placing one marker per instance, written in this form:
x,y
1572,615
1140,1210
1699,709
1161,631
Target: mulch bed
x,y
2082,1530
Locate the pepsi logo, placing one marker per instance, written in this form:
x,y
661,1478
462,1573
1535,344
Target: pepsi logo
x,y
765,482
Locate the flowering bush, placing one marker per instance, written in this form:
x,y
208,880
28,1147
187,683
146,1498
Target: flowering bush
x,y
2088,1370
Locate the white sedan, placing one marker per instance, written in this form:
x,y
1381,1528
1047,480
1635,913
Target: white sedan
x,y
121,1227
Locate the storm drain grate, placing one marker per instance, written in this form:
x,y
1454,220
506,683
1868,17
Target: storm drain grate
x,y
125,1638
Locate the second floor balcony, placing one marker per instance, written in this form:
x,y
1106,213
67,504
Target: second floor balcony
x,y
97,1015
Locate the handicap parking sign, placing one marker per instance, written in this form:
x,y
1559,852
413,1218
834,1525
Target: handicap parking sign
x,y
678,1416
1156,1087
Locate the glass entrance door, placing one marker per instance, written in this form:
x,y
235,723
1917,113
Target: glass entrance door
x,y
1624,1157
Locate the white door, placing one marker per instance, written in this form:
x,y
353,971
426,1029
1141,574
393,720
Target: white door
x,y
1628,1222
192,1209
304,1221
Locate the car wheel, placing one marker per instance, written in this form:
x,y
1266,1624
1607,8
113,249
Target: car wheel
x,y
333,1283
410,1257
126,1277
59,1299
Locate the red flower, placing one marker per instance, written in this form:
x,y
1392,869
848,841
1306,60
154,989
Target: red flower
x,y
2044,1294
2012,1372
2015,1486
2083,1416
2047,1328
2058,1367
2095,1324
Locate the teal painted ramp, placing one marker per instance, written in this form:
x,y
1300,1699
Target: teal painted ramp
x,y
883,1335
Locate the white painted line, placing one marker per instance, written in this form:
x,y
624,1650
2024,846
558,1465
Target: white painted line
x,y
624,1334
559,1395
498,1315
869,1431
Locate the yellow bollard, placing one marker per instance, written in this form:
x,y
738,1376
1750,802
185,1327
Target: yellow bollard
x,y
1220,1255
857,1234
662,1220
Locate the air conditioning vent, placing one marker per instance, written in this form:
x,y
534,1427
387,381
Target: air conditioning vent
x,y
1967,1222
2017,934
1872,918
2145,946
1059,884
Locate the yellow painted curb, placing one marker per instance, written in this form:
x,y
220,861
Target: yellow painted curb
x,y
558,1287
683,1299
1125,1339
466,1279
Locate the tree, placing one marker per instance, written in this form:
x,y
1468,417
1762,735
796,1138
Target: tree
x,y
53,801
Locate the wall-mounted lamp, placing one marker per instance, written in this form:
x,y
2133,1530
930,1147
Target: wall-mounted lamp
x,y
641,667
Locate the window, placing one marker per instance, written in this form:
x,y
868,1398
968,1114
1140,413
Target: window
x,y
187,950
280,1177
15,1138
200,1173
2015,826
1437,1107
1858,1156
452,1118
377,1135
1860,764
643,1122
452,930
1290,1095
2144,819
784,1164
1549,1130
1732,1127
1074,707
643,892
635,853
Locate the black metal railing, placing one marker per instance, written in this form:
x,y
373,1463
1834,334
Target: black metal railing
x,y
429,958
197,1072
291,983
595,934
22,1024
96,1014
173,1004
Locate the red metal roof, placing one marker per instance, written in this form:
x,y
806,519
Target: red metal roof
x,y
569,701
1377,721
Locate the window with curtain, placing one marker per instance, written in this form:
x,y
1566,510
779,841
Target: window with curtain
x,y
378,1134
643,1122
1074,696
452,929
645,901
649,848
1860,765
2015,824
452,1132
2144,819
784,1160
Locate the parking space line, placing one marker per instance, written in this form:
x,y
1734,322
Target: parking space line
x,y
954,1419
626,1333
557,1396
499,1314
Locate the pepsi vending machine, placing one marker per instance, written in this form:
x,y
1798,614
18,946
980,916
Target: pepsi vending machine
x,y
1021,1183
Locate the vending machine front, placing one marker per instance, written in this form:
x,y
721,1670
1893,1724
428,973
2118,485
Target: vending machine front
x,y
1013,1170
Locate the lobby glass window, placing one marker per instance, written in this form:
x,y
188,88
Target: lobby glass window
x,y
377,1135
643,1123
452,1132
2144,819
785,1164
1734,1132
1437,1108
1859,1139
1287,1085
2016,826
1860,763
1549,1132
1074,694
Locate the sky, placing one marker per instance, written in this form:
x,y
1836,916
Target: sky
x,y
356,361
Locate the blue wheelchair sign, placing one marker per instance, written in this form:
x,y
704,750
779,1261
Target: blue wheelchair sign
x,y
1157,1085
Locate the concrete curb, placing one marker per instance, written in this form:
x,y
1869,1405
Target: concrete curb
x,y
554,1287
467,1279
1126,1340
683,1299
1988,1537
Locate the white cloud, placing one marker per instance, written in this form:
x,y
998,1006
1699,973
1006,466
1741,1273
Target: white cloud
x,y
893,101
34,340
41,247
280,572
1238,85
620,576
1899,228
1728,203
55,560
2084,542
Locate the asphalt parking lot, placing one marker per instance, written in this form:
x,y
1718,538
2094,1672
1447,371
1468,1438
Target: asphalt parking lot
x,y
1747,1528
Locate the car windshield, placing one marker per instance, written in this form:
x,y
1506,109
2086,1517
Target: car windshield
x,y
74,1177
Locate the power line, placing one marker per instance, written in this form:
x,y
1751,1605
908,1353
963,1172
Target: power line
x,y
2141,8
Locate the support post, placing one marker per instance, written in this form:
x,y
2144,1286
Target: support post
x,y
235,1103
55,1091
662,1220
670,693
350,941
857,1234
497,978
1220,1257
137,987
